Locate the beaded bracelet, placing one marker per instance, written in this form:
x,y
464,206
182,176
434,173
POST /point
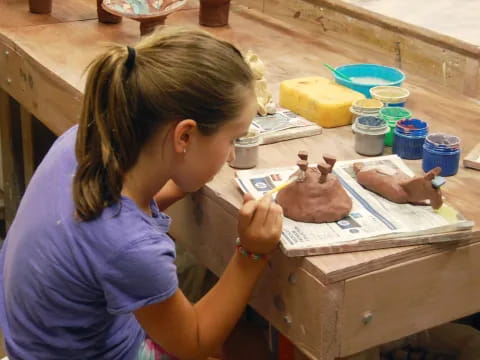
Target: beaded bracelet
x,y
251,255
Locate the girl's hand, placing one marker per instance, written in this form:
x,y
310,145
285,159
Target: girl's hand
x,y
260,224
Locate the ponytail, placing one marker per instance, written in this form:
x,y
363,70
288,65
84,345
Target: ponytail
x,y
130,93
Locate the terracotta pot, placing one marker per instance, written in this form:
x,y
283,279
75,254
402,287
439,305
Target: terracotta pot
x,y
40,6
214,12
147,26
105,17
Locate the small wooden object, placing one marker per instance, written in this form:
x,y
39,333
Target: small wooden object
x,y
472,160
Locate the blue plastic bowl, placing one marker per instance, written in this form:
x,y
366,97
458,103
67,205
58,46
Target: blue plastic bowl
x,y
385,75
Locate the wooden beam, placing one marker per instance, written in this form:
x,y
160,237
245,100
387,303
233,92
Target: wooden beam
x,y
27,144
12,157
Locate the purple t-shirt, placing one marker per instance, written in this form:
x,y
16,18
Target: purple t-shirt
x,y
68,288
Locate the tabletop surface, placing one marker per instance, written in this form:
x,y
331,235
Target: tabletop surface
x,y
287,53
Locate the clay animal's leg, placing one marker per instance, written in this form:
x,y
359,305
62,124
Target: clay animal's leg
x,y
330,160
303,155
324,169
303,165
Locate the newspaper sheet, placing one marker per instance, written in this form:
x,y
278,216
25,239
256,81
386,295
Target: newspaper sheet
x,y
284,125
371,217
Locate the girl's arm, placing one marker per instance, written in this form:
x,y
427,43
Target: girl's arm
x,y
196,331
168,194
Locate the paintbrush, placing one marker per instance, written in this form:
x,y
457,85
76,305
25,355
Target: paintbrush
x,y
281,186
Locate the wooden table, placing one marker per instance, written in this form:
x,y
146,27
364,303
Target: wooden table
x,y
329,306
19,91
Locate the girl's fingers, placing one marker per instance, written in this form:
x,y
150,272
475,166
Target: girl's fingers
x,y
273,218
261,212
246,213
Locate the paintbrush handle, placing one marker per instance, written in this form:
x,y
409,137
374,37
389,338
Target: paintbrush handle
x,y
281,186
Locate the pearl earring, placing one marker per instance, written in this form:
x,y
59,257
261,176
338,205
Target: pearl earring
x,y
185,151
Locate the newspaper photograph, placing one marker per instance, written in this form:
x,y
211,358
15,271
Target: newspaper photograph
x,y
372,216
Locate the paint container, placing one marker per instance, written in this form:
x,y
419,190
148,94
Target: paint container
x,y
409,136
390,95
441,150
369,135
365,107
246,151
365,76
391,115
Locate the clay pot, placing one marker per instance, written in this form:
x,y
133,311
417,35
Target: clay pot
x,y
214,12
148,25
106,17
40,6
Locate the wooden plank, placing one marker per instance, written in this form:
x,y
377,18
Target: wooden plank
x,y
12,159
27,144
472,160
208,230
407,298
472,77
445,17
40,93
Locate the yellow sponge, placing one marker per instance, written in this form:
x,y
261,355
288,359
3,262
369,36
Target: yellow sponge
x,y
319,100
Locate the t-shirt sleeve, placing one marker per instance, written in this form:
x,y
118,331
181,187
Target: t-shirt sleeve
x,y
140,274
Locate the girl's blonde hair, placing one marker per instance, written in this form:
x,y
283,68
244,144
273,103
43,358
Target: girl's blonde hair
x,y
177,74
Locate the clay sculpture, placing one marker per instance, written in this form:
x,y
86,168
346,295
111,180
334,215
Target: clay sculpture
x,y
150,13
265,103
214,12
398,187
317,195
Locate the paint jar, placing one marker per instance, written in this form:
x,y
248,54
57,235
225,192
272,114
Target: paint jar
x,y
365,107
390,95
369,135
409,136
441,150
391,115
246,151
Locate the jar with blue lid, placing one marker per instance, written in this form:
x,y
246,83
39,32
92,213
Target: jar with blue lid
x,y
409,136
442,150
369,135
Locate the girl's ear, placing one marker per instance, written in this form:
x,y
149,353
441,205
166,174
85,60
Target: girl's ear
x,y
182,135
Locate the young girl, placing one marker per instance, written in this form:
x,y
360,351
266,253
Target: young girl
x,y
87,268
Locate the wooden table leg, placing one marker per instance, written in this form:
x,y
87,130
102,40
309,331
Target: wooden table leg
x,y
12,155
27,144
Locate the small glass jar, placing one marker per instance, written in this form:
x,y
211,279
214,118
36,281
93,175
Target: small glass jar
x,y
246,151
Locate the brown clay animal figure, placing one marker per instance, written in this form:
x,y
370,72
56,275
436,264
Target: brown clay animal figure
x,y
398,187
317,195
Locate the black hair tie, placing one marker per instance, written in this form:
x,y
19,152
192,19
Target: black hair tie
x,y
130,63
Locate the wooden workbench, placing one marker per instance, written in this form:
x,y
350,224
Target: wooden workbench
x,y
329,306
